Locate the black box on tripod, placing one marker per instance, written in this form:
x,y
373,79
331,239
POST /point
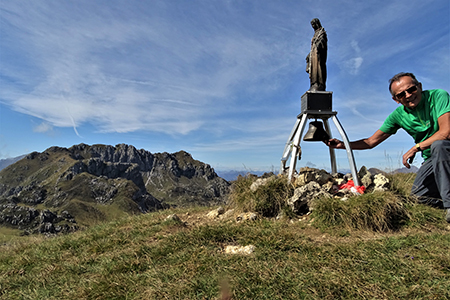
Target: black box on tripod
x,y
317,101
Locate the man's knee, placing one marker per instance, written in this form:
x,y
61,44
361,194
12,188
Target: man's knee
x,y
440,145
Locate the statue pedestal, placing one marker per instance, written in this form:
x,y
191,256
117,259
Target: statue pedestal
x,y
317,101
315,105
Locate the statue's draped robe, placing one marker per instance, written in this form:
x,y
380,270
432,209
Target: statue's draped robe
x,y
317,60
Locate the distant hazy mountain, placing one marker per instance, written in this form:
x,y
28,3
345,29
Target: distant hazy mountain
x,y
413,169
9,161
231,175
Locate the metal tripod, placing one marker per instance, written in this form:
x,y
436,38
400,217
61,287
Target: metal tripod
x,y
321,110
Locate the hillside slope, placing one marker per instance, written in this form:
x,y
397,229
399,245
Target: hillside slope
x,y
63,188
152,256
9,161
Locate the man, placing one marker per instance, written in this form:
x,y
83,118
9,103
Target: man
x,y
425,115
317,58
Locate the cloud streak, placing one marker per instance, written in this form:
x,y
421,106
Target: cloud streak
x,y
128,75
219,76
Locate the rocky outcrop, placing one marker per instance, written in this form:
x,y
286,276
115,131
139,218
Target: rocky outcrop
x,y
311,184
123,176
303,197
32,220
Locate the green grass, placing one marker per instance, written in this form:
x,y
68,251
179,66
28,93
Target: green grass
x,y
8,234
268,200
401,184
146,257
378,211
377,246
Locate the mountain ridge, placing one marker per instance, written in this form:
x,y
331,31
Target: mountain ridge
x,y
88,183
9,161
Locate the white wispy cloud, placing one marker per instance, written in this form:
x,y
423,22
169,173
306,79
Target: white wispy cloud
x,y
225,76
353,64
150,73
43,128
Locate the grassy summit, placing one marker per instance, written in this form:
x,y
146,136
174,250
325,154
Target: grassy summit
x,y
328,255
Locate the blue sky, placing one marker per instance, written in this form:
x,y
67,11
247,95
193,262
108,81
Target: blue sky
x,y
220,79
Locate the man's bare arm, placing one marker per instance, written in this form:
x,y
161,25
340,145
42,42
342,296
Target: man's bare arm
x,y
442,134
367,143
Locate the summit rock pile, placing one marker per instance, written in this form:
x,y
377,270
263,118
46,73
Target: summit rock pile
x,y
311,183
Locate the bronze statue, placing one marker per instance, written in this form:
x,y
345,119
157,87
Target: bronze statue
x,y
317,58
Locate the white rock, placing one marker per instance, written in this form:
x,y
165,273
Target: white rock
x,y
173,217
215,213
260,182
247,217
228,214
381,182
246,250
339,181
308,174
305,194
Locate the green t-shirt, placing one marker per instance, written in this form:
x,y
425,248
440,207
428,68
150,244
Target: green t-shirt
x,y
422,121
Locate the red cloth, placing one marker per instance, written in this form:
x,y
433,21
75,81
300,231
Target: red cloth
x,y
350,185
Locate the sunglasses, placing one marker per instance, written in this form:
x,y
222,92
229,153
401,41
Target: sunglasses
x,y
402,95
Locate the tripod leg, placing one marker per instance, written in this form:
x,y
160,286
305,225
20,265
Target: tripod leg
x,y
295,145
351,158
288,147
332,154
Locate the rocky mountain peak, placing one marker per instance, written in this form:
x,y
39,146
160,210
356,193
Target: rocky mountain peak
x,y
88,178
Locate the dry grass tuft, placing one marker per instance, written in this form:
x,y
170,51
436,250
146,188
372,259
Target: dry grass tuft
x,y
379,211
268,200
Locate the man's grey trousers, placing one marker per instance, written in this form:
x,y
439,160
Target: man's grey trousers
x,y
432,182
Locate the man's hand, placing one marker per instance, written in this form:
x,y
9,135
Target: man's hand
x,y
408,157
335,143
